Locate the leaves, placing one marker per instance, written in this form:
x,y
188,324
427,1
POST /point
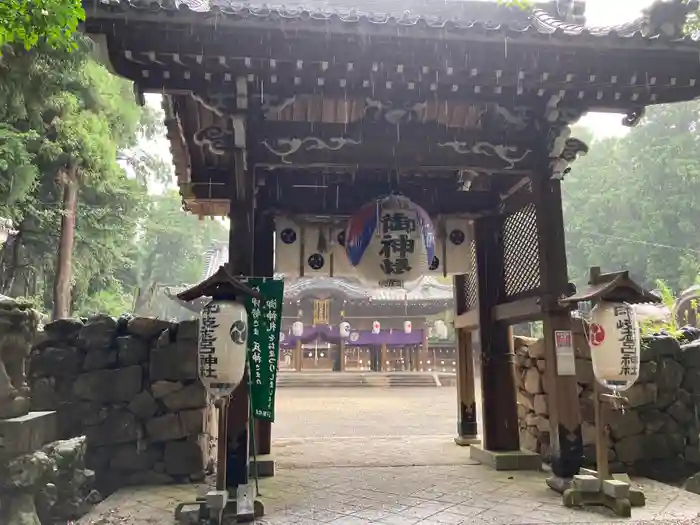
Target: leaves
x,y
29,22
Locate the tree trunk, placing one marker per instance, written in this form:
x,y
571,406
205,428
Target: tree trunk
x,y
11,251
64,261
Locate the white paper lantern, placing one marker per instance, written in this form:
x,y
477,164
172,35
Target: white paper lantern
x,y
614,339
440,329
222,346
297,328
407,327
344,329
390,242
376,327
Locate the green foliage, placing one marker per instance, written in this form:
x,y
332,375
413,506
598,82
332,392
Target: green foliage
x,y
631,202
29,22
60,109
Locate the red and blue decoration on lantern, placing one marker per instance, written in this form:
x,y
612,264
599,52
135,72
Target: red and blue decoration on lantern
x,y
390,241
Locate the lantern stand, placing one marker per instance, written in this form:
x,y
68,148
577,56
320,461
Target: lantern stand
x,y
216,507
599,487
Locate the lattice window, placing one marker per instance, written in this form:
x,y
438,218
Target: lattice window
x,y
521,251
471,281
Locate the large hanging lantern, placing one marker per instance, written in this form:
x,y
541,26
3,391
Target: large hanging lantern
x,y
297,328
390,241
222,346
407,327
614,340
376,327
344,329
440,329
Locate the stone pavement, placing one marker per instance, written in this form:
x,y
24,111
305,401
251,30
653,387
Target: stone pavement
x,y
378,476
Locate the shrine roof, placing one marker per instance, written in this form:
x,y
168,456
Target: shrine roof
x,y
661,23
427,289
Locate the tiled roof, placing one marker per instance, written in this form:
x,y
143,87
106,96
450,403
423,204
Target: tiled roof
x,y
427,289
452,15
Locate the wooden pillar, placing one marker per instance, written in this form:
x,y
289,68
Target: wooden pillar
x,y
500,416
341,351
241,206
237,422
562,393
466,417
383,355
263,266
298,356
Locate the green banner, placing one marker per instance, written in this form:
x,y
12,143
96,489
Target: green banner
x,y
264,319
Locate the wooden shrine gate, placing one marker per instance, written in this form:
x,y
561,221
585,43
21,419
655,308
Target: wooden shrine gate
x,y
463,106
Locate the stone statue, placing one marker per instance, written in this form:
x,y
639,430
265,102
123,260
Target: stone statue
x,y
18,326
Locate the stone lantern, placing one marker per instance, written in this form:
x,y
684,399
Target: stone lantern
x,y
613,335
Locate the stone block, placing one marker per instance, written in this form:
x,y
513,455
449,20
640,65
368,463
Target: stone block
x,y
63,329
130,457
143,405
99,358
120,426
109,386
194,422
616,489
183,458
160,389
44,395
98,332
540,405
532,381
56,361
681,412
165,428
647,372
641,394
175,362
669,374
132,350
515,460
623,424
526,400
191,396
586,483
25,434
147,328
662,346
528,441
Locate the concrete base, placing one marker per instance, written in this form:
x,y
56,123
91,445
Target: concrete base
x,y
265,464
466,441
511,460
25,434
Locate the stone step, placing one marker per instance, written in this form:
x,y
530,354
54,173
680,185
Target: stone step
x,y
361,379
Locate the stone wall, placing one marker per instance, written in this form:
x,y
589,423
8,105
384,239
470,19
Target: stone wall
x,y
657,436
130,386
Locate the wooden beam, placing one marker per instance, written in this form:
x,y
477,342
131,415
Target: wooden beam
x,y
520,311
345,200
468,320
